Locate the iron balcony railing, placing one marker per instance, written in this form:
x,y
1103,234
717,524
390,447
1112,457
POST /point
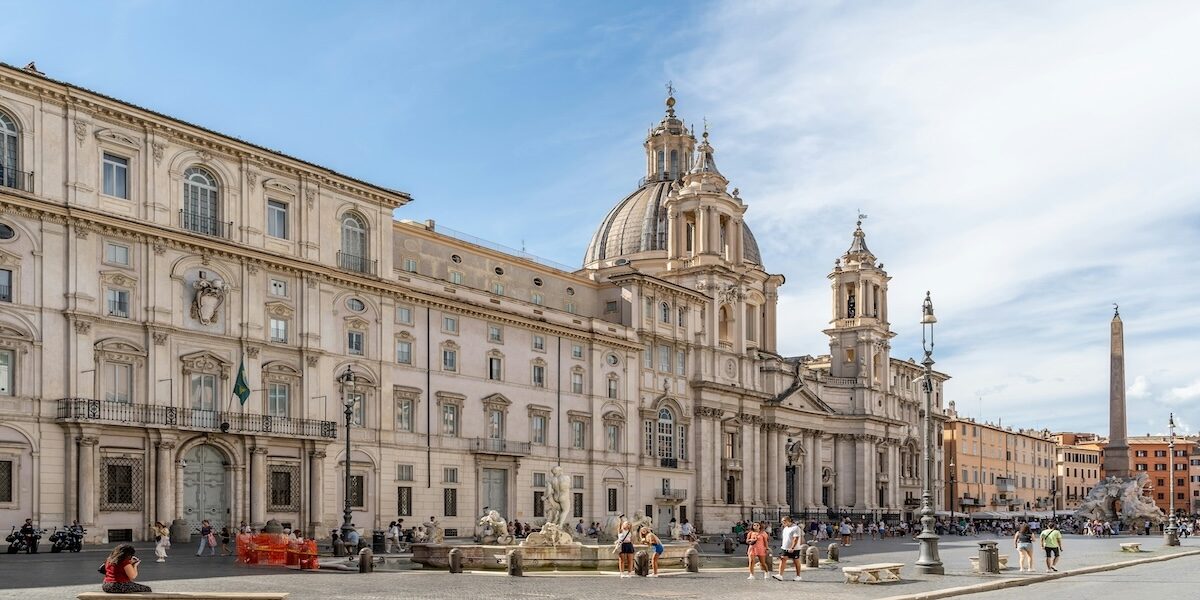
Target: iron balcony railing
x,y
671,494
491,446
358,264
668,463
150,415
17,180
204,224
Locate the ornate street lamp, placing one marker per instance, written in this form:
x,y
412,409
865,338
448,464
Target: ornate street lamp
x,y
928,561
953,497
346,381
1171,533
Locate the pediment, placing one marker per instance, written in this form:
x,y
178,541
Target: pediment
x,y
120,346
278,367
205,362
117,278
496,401
8,258
356,323
279,309
118,138
7,331
278,185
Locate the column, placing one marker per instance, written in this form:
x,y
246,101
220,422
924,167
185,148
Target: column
x,y
862,467
734,236
816,457
87,480
316,504
672,234
781,477
772,477
164,495
701,234
703,455
258,486
838,467
714,231
758,463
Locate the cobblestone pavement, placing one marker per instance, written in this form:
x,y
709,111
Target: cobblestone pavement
x,y
61,576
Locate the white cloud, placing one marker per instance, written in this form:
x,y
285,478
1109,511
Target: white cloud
x,y
1029,163
1140,388
1183,394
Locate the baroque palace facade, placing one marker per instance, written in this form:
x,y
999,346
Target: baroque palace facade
x,y
651,374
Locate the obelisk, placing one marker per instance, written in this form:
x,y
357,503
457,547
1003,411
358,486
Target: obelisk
x,y
1116,452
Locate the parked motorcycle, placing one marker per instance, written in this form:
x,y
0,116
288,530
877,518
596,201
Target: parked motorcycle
x,y
18,541
68,539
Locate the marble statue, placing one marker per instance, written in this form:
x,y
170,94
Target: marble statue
x,y
676,530
608,533
494,529
436,535
1101,503
210,295
419,535
558,501
550,535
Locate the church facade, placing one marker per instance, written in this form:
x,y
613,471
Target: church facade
x,y
651,374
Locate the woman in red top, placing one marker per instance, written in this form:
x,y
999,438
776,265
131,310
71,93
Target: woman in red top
x,y
757,539
120,569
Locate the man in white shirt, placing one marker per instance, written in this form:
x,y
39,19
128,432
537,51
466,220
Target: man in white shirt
x,y
789,548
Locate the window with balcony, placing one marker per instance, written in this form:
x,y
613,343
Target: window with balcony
x,y
118,382
279,330
449,360
117,302
495,425
355,255
115,176
201,211
202,389
354,342
6,294
495,368
576,383
10,153
404,414
8,378
277,219
578,435
537,429
404,352
539,376
279,400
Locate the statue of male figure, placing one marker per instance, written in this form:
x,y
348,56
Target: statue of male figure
x,y
560,491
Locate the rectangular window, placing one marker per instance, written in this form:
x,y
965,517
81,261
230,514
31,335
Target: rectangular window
x,y
6,481
450,324
578,437
450,502
682,441
116,254
357,487
664,359
203,391
404,352
404,472
537,428
576,383
117,302
279,330
495,424
680,362
359,418
576,351
612,499
410,265
610,306
118,489
450,475
497,288
612,435
5,285
449,419
279,399
539,480
648,430
277,219
449,360
577,482
539,343
538,299
612,388
404,414
648,357
404,501
571,308
577,504
280,495
118,382
116,176
456,278
495,333
354,343
278,287
404,315
539,376
539,507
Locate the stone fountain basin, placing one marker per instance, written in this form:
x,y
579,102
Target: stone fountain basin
x,y
574,557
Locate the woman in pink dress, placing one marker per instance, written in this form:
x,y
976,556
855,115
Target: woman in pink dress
x,y
757,539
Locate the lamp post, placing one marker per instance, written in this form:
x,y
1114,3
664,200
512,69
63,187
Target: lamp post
x,y
1054,501
791,475
953,497
346,381
1171,533
928,561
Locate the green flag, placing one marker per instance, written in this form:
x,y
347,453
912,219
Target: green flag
x,y
240,388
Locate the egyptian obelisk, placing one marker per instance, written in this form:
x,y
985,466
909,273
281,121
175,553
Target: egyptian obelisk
x,y
1116,452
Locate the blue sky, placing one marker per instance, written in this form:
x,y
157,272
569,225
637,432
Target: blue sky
x,y
1028,162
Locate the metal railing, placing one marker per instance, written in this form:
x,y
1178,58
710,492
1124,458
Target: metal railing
x,y
204,224
17,180
470,239
672,494
5,293
150,415
668,463
358,264
490,446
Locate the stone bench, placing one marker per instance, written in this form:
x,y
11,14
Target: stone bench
x,y
1131,547
186,596
876,573
975,562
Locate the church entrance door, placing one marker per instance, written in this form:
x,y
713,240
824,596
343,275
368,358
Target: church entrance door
x,y
205,487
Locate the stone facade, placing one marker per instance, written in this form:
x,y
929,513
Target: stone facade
x,y
999,469
651,374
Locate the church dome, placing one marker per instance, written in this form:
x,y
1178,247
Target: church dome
x,y
638,223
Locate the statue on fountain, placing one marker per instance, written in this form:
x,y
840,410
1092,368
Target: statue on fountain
x,y
1101,503
555,531
494,529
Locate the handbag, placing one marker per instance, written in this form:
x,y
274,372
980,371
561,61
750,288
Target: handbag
x,y
103,570
212,540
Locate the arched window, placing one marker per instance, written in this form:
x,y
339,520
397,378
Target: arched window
x,y
683,317
664,313
674,163
666,433
9,150
201,211
354,243
662,163
723,325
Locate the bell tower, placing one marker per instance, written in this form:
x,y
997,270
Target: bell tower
x,y
859,333
668,146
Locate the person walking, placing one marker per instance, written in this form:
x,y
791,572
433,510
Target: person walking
x,y
789,548
651,539
1023,542
120,569
757,540
207,539
162,541
624,547
844,530
1051,542
225,536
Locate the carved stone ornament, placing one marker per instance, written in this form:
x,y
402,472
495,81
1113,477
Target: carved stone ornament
x,y
81,130
118,138
312,360
83,327
252,269
205,155
251,177
160,338
209,296
252,351
157,149
205,362
160,249
310,196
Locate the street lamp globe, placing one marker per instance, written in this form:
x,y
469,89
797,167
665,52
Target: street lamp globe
x,y
346,381
928,561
